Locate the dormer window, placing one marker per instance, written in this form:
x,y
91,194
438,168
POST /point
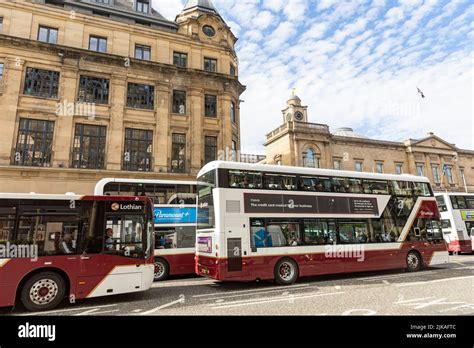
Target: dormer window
x,y
143,6
103,2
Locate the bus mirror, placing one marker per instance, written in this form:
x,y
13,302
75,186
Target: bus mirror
x,y
417,232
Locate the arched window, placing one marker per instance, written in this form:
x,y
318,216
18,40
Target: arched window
x,y
311,159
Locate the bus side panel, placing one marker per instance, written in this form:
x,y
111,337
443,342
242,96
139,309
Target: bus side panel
x,y
180,263
13,271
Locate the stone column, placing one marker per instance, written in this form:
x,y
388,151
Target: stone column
x,y
116,130
195,150
65,121
161,143
9,104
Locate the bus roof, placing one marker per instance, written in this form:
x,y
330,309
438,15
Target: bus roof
x,y
99,187
453,194
308,171
59,197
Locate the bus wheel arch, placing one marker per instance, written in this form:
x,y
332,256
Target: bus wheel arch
x,y
162,269
46,277
286,271
414,260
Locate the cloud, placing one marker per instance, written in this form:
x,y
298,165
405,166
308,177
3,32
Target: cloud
x,y
355,64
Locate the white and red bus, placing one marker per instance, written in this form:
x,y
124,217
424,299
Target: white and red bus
x,y
174,217
457,220
54,247
275,222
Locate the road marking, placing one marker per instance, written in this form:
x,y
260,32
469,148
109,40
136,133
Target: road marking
x,y
151,311
136,310
390,276
66,310
269,300
433,281
414,299
338,287
94,312
385,281
254,293
168,284
253,290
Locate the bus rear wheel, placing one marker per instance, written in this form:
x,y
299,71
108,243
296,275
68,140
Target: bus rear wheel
x,y
286,272
43,291
414,261
162,269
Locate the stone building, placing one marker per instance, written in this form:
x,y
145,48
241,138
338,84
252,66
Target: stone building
x,y
110,88
298,142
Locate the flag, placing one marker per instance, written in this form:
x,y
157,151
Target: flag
x,y
445,168
421,93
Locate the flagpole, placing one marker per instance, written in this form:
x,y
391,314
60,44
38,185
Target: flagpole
x,y
421,110
464,182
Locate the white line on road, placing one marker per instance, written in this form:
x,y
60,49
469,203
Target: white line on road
x,y
168,284
433,281
255,293
151,311
390,276
67,310
279,299
87,312
253,290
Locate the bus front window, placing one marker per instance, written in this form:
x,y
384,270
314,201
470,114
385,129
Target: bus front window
x,y
124,235
205,211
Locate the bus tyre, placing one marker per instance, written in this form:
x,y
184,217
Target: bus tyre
x,y
414,261
161,269
43,291
286,272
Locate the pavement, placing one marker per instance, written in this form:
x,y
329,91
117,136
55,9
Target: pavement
x,y
443,290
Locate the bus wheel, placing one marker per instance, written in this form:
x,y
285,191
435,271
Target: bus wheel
x,y
413,261
162,269
286,272
43,291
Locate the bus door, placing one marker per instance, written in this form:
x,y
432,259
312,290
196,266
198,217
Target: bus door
x,y
237,247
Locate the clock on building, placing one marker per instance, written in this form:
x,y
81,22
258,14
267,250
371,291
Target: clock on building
x,y
299,116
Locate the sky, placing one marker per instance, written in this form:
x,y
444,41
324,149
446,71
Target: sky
x,y
354,64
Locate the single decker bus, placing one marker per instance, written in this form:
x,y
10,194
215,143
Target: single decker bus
x,y
54,247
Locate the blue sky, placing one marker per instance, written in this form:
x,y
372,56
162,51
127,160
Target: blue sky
x,y
355,64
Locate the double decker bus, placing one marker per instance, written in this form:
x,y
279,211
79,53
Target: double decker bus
x,y
54,247
281,223
457,220
174,218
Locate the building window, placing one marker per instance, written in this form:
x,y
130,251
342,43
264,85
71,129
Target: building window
x,y
41,83
210,149
143,6
180,59
178,153
233,71
34,143
1,24
1,72
234,151
93,90
142,52
337,164
89,147
210,64
398,168
359,166
379,167
419,169
449,172
138,150
233,118
105,2
140,96
49,35
97,44
311,160
179,102
435,171
210,105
